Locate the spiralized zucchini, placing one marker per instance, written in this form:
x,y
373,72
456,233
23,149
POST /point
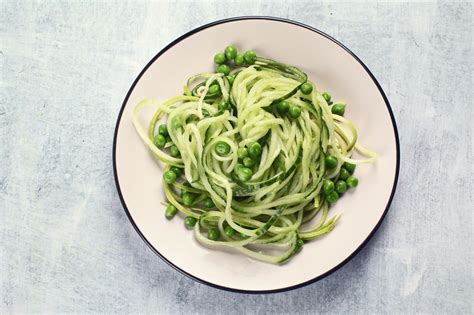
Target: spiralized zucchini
x,y
253,155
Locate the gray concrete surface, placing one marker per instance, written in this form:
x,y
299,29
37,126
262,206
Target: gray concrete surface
x,y
66,243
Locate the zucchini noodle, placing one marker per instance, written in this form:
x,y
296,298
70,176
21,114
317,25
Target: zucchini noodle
x,y
252,157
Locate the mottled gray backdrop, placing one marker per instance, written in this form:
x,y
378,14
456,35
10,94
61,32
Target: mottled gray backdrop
x,y
67,245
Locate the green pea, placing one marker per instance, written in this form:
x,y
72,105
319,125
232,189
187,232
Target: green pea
x,y
222,148
213,234
229,231
170,212
238,166
250,57
328,186
176,123
239,60
299,245
244,174
225,69
242,153
178,171
231,79
248,162
255,149
214,89
330,161
169,177
188,198
352,181
190,222
341,186
163,130
174,151
208,203
343,174
306,88
327,96
294,112
338,109
349,167
282,107
159,141
219,58
223,105
332,197
230,52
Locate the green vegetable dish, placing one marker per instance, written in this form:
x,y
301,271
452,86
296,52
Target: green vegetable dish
x,y
251,154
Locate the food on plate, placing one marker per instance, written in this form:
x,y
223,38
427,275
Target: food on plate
x,y
251,154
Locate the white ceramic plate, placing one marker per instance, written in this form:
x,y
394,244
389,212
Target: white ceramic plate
x,y
332,67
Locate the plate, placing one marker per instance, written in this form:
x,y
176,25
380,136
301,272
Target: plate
x,y
332,67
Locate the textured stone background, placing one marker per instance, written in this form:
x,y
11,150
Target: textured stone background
x,y
66,243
